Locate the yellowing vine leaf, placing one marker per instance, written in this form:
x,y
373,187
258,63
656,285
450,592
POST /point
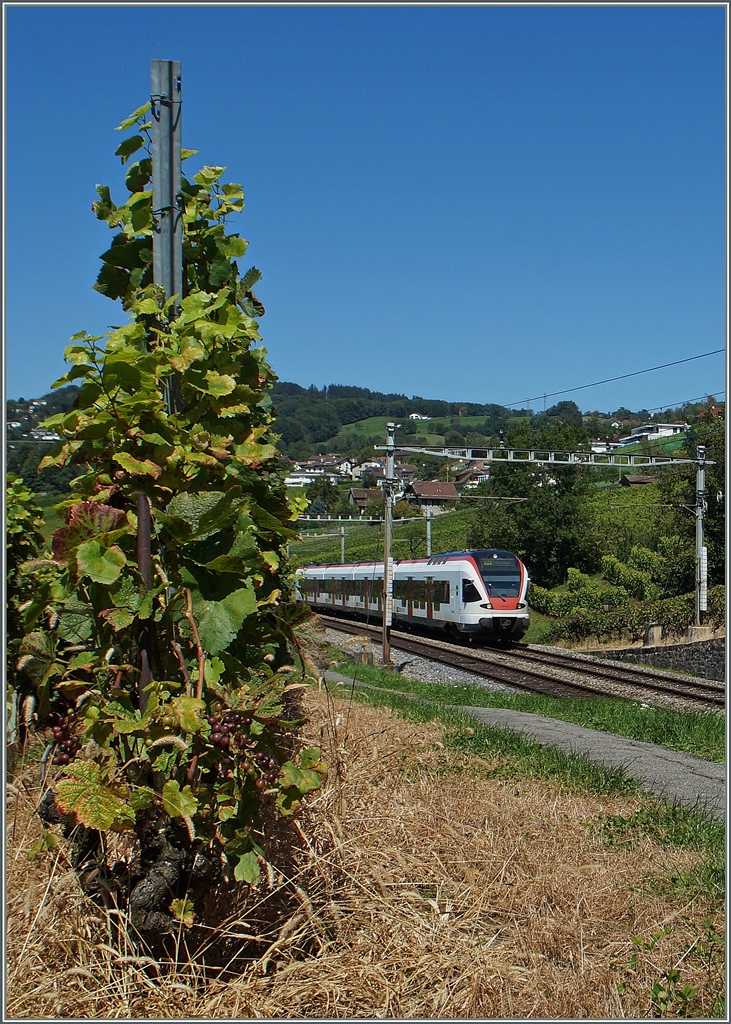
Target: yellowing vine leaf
x,y
84,794
137,467
187,713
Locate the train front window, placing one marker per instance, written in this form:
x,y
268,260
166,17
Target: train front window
x,y
501,576
470,593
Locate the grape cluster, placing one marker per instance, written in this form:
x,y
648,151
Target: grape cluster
x,y
230,734
268,766
67,745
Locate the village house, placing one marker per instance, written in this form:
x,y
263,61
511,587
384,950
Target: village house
x,y
363,496
473,473
431,494
636,479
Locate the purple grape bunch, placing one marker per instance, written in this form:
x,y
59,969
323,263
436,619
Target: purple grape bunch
x,y
67,744
230,734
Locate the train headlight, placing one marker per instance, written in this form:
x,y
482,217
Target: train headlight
x,y
487,605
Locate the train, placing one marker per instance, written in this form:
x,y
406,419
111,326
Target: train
x,y
479,594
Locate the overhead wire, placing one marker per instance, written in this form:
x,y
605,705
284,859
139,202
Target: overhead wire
x,y
610,380
687,401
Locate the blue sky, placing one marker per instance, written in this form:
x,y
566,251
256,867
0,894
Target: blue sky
x,y
480,203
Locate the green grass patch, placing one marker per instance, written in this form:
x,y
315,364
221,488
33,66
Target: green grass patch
x,y
539,629
683,828
701,734
52,521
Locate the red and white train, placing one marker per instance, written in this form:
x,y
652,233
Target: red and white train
x,y
479,593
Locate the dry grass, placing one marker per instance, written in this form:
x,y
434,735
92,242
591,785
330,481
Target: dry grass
x,y
417,886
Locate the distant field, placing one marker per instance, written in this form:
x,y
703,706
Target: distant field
x,y
663,445
433,430
365,543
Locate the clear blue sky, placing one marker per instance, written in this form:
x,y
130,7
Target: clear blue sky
x,y
469,203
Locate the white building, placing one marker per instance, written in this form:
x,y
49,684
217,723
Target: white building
x,y
652,432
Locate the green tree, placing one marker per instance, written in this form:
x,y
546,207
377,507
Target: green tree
x,y
23,543
550,527
566,412
164,673
325,493
677,488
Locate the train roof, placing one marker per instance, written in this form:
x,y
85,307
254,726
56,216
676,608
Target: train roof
x,y
427,560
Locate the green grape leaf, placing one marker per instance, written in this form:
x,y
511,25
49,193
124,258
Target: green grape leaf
x,y
220,272
166,761
133,118
195,516
232,246
311,757
141,798
296,782
137,467
138,175
94,804
178,803
102,565
247,868
220,621
249,280
76,621
129,146
182,910
118,618
220,383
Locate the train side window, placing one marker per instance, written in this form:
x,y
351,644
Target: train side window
x,y
470,593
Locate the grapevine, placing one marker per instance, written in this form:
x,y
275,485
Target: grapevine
x,y
194,755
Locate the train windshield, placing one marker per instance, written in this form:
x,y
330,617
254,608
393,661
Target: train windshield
x,y
501,575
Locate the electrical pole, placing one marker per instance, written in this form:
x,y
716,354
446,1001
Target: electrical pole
x,y
387,532
167,173
342,545
167,249
428,531
701,552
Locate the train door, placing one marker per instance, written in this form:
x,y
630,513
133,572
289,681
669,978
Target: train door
x,y
410,596
430,598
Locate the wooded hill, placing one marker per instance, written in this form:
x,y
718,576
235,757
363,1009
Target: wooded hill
x,y
349,421
345,420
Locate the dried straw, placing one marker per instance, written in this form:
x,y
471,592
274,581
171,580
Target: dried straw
x,y
417,883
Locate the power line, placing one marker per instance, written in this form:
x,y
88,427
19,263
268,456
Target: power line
x,y
610,380
688,401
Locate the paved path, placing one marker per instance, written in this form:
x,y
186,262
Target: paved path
x,y
678,778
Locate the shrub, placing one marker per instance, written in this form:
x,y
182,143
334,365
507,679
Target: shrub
x,y
577,580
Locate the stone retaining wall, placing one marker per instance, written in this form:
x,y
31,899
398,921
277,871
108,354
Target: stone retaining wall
x,y
704,658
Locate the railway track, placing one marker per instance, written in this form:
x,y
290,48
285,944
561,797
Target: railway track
x,y
552,673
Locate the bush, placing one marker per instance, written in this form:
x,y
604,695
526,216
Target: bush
x,y
577,580
636,582
591,597
675,614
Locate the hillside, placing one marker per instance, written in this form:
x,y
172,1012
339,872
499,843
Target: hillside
x,y
350,420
